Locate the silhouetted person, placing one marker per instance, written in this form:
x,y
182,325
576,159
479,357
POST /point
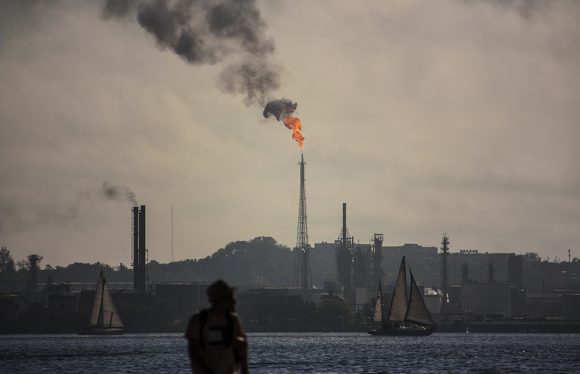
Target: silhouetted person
x,y
216,341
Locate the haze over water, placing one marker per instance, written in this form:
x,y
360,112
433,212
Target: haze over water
x,y
300,353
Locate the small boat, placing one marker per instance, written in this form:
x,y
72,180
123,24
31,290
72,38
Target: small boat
x,y
105,319
404,316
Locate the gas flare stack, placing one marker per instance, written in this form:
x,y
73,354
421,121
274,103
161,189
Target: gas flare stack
x,y
139,250
302,277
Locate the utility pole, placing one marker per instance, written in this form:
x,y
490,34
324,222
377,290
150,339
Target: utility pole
x,y
444,275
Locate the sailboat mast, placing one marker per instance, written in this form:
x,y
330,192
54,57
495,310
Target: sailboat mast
x,y
410,298
384,316
379,310
101,306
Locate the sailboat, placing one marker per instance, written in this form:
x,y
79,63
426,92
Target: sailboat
x,y
404,316
105,319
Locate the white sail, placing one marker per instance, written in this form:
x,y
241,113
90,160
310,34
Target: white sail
x,y
98,301
105,314
398,307
417,311
407,317
378,316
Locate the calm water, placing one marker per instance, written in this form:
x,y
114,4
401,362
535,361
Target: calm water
x,y
299,353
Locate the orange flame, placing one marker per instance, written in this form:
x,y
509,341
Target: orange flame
x,y
294,124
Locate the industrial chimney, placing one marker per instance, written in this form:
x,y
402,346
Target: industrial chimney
x,y
135,240
139,249
344,257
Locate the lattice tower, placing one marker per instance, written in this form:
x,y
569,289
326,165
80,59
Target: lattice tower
x,y
302,277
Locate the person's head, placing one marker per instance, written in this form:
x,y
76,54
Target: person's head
x,y
221,296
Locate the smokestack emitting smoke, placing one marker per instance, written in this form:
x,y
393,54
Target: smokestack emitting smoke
x,y
209,32
283,110
118,193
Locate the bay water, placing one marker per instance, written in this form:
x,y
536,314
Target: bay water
x,y
299,353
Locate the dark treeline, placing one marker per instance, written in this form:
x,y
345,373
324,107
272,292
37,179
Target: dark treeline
x,y
262,262
249,265
257,262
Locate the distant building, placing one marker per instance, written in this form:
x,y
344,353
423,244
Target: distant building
x,y
270,309
433,297
424,261
183,297
543,305
571,307
488,298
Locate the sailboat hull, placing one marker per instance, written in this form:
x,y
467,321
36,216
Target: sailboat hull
x,y
102,332
403,331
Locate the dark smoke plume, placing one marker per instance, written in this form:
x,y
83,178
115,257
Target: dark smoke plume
x,y
8,214
118,193
279,108
209,32
254,78
118,8
15,218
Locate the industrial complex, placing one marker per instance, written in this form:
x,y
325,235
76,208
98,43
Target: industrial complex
x,y
331,287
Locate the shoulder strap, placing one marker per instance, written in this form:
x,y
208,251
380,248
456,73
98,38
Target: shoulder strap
x,y
202,322
230,327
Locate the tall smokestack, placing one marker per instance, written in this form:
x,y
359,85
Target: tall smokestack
x,y
139,249
344,224
135,211
344,257
142,250
377,259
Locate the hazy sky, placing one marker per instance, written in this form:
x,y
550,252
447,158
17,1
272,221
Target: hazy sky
x,y
425,117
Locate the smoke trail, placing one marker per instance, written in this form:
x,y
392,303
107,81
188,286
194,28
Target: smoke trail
x,y
254,78
118,193
209,32
16,217
8,214
118,8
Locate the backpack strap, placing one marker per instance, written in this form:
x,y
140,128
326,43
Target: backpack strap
x,y
229,328
202,322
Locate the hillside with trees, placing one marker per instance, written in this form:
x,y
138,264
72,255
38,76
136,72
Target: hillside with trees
x,y
254,263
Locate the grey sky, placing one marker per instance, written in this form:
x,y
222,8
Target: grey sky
x,y
424,116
